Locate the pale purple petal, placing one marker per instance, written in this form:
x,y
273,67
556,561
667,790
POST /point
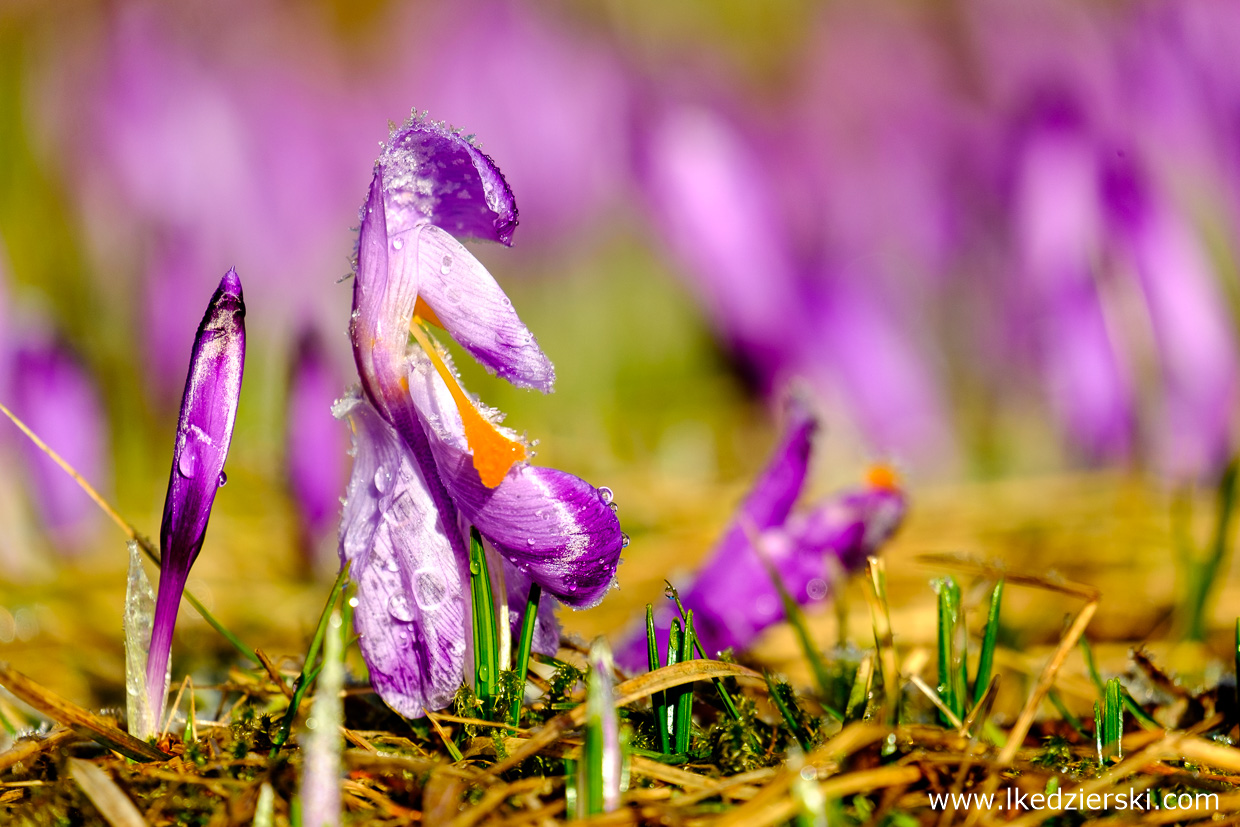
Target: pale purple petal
x,y
411,593
553,526
316,442
54,395
431,173
204,431
475,310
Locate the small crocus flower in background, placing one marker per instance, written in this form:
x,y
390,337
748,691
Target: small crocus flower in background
x,y
204,431
316,443
55,396
430,462
732,597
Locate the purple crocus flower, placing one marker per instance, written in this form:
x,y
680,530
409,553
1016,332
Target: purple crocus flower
x,y
429,463
317,461
733,598
55,396
204,432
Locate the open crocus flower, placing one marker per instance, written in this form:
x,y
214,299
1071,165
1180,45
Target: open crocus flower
x,y
733,598
204,431
429,461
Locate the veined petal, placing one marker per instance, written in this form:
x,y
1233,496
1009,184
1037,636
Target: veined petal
x,y
551,525
385,293
433,174
410,616
471,306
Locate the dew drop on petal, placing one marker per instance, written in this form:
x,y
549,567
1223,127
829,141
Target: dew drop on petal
x,y
382,478
624,540
397,243
392,565
223,479
615,507
529,541
604,494
187,464
446,266
398,607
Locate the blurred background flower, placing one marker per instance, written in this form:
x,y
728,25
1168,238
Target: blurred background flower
x,y
994,239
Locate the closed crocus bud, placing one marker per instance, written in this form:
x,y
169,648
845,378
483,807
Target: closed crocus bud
x,y
204,432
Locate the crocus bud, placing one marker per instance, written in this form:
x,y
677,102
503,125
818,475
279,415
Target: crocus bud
x,y
204,431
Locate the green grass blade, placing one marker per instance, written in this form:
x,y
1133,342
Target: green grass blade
x,y
684,698
528,621
986,658
777,690
486,639
952,647
1113,721
658,701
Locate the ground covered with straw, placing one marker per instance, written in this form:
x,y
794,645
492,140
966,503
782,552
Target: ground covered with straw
x,y
1022,639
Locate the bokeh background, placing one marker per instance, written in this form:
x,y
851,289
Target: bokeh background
x,y
995,241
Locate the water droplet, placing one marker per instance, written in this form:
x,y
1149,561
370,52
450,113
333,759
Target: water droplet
x,y
398,607
474,568
392,565
382,478
624,540
529,541
605,495
446,266
484,672
223,479
572,587
353,601
429,589
615,507
187,464
397,243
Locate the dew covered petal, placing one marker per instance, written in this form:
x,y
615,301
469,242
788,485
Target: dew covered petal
x,y
550,524
411,596
471,306
433,174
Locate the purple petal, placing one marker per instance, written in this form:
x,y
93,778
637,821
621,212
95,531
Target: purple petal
x,y
56,398
553,526
411,588
473,308
431,173
316,440
204,432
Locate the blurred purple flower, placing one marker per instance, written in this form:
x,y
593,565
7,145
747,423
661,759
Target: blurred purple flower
x,y
1059,238
788,305
204,431
428,463
316,443
732,597
54,394
1195,336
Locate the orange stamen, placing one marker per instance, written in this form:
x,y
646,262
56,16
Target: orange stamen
x,y
883,477
423,311
493,452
